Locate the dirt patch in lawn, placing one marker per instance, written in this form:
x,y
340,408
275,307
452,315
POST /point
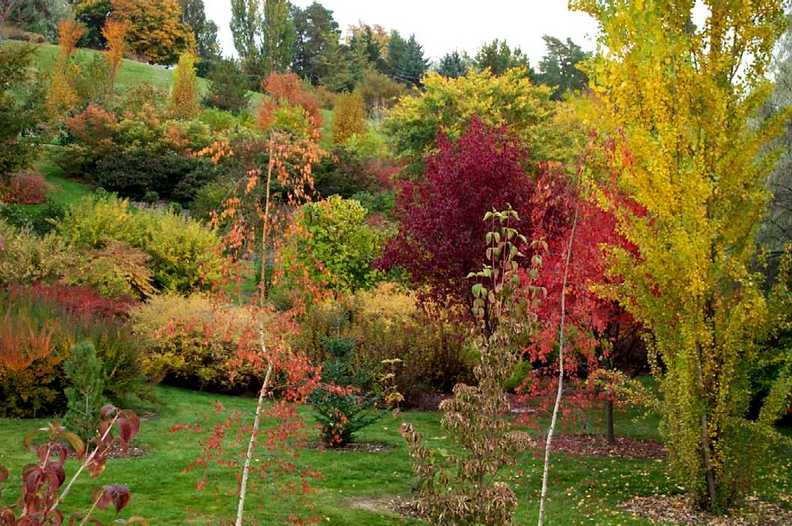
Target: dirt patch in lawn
x,y
130,452
358,447
598,446
678,509
386,505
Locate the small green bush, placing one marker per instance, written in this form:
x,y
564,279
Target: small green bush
x,y
341,406
332,244
85,394
228,87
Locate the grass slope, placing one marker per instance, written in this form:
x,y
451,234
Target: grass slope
x,y
353,485
131,72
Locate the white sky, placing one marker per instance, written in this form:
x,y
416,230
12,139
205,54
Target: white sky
x,y
442,26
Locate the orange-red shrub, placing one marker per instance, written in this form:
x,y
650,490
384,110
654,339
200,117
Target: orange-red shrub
x,y
26,189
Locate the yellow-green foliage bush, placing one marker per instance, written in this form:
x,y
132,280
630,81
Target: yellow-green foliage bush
x,y
193,341
331,245
184,94
350,117
184,253
509,100
26,258
388,323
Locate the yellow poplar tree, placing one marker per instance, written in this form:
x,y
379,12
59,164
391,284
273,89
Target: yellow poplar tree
x,y
184,93
680,101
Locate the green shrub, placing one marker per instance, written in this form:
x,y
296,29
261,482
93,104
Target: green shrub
x,y
342,173
210,198
20,107
37,219
341,405
331,243
228,87
184,253
85,394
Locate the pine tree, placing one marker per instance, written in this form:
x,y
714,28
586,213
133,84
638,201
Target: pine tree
x,y
85,394
453,65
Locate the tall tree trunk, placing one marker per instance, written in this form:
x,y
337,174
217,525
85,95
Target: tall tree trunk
x,y
609,421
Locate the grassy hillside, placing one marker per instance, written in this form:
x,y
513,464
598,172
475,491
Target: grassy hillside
x,y
131,72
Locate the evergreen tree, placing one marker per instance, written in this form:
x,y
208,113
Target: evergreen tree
x,y
453,65
85,392
317,34
206,45
498,57
228,88
558,69
406,61
369,41
92,14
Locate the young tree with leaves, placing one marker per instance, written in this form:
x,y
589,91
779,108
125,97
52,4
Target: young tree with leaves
x,y
688,150
62,95
114,33
278,37
184,102
468,485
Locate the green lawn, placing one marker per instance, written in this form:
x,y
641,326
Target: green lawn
x,y
63,191
582,491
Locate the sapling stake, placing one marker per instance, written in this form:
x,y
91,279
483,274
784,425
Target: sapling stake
x,y
560,391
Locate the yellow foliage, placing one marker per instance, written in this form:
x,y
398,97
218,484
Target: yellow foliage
x,y
156,32
62,95
115,32
349,118
678,107
184,93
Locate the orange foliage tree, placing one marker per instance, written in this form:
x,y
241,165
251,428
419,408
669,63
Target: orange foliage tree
x,y
62,94
155,29
115,32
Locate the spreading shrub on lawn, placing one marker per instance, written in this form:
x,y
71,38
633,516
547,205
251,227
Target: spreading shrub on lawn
x,y
26,188
27,258
426,345
193,341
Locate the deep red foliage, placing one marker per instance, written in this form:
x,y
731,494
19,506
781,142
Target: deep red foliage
x,y
80,302
26,189
442,233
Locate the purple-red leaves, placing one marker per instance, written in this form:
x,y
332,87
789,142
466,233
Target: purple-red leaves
x,y
442,235
114,494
